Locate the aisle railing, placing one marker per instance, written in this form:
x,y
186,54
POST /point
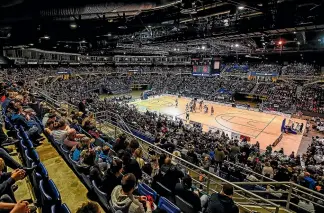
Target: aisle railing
x,y
246,193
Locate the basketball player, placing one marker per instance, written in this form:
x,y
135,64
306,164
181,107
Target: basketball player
x,y
200,105
187,114
176,102
187,106
212,110
206,109
194,106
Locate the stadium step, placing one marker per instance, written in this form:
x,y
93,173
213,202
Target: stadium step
x,y
72,191
255,88
298,91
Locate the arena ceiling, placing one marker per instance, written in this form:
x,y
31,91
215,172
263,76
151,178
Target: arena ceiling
x,y
218,27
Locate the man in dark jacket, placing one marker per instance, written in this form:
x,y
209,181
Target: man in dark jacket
x,y
184,191
222,202
131,166
82,106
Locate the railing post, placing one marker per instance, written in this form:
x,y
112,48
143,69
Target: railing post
x,y
289,196
208,183
277,209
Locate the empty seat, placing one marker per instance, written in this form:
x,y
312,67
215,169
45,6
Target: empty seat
x,y
64,148
145,190
49,194
101,195
31,157
168,206
183,205
60,208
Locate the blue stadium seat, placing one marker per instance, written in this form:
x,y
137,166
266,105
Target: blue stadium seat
x,y
247,187
164,191
64,148
145,190
31,157
49,194
184,206
223,175
60,209
101,195
260,188
234,179
166,205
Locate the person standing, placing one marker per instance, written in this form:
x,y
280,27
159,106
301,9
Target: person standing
x,y
176,102
222,202
187,114
82,106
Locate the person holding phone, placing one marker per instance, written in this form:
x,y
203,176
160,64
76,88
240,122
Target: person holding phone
x,y
122,197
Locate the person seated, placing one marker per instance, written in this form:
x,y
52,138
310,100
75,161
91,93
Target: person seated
x,y
49,127
60,133
19,207
49,116
120,143
112,177
72,137
169,175
184,191
131,165
7,180
138,155
79,148
30,126
89,207
122,197
103,155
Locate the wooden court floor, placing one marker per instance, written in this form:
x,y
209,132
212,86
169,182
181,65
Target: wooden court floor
x,y
259,126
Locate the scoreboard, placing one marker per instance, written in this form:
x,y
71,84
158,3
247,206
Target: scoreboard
x,y
205,66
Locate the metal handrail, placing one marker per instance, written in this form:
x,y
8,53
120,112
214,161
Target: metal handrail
x,y
272,181
184,162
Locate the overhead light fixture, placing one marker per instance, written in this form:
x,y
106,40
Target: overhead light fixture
x,y
31,44
122,27
149,26
237,45
46,37
295,32
73,25
298,43
280,42
240,7
203,47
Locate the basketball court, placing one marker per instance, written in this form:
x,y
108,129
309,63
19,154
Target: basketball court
x,y
259,126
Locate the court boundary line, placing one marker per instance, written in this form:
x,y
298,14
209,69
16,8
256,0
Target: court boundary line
x,y
251,127
229,129
234,130
267,125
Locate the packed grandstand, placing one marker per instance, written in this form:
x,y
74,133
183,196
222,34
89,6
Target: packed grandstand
x,y
230,158
166,106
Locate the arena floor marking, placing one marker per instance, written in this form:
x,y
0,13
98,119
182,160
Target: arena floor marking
x,y
262,127
267,125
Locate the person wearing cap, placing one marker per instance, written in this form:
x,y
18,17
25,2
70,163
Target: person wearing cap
x,y
222,202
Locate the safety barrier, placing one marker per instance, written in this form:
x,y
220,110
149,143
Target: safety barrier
x,y
246,193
